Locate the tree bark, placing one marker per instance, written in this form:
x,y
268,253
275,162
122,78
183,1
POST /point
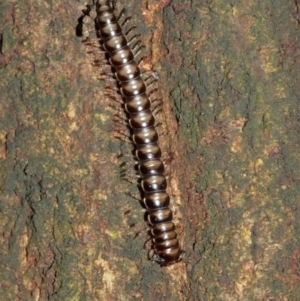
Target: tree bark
x,y
229,79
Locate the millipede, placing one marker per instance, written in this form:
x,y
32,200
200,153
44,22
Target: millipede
x,y
137,103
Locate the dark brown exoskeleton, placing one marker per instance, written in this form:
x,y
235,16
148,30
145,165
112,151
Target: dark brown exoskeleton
x,y
144,135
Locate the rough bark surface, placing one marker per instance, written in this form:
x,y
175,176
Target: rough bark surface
x,y
229,78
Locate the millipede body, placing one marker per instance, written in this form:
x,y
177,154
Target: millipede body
x,y
144,135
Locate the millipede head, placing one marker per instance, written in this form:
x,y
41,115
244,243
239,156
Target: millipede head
x,y
168,258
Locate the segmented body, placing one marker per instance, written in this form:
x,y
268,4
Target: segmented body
x,y
144,135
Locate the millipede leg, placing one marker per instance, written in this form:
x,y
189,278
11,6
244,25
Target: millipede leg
x,y
130,30
157,102
133,38
138,51
121,14
129,175
150,82
123,136
156,110
136,47
152,92
141,59
150,73
122,120
137,232
123,24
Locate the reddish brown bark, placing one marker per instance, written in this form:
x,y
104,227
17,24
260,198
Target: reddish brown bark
x,y
229,74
